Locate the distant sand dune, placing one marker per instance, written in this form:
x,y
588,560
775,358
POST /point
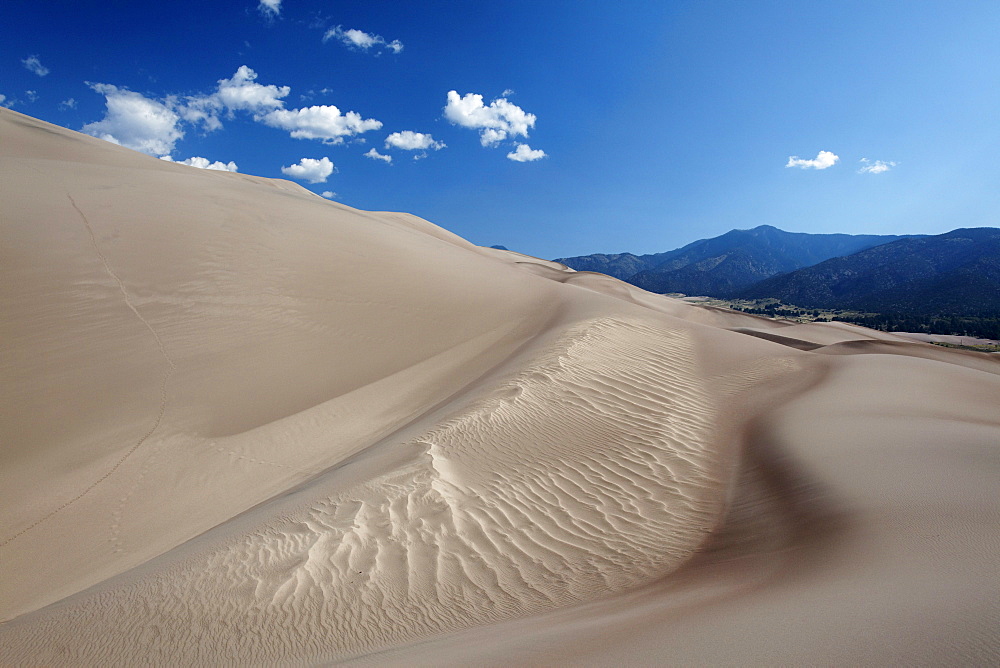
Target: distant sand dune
x,y
246,425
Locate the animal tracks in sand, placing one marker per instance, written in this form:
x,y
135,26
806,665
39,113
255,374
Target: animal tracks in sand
x,y
161,409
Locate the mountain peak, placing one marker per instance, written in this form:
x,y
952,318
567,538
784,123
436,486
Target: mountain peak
x,y
956,273
727,262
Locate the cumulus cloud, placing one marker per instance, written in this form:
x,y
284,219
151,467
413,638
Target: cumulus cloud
x,y
329,194
320,122
408,140
525,153
375,155
492,136
310,169
241,92
135,121
495,122
822,160
269,7
3,101
204,163
359,39
68,104
875,166
33,64
154,126
194,110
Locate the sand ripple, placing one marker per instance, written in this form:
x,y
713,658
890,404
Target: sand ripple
x,y
585,473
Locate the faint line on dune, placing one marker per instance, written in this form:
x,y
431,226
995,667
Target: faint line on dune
x,y
171,367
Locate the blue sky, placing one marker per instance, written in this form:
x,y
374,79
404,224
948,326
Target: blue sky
x,y
638,126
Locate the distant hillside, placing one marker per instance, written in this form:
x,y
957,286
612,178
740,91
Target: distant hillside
x,y
740,258
619,265
957,273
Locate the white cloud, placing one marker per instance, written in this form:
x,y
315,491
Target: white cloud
x,y
359,39
154,126
68,104
135,121
375,155
270,7
492,137
352,37
495,122
525,153
408,140
320,122
33,64
875,166
310,169
240,92
204,110
3,104
822,160
204,163
31,95
329,194
243,93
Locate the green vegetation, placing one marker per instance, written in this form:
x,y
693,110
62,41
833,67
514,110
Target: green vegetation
x,y
985,326
773,308
985,348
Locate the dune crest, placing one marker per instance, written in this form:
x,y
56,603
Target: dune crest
x,y
585,473
244,424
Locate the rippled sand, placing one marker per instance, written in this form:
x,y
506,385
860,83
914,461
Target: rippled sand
x,y
243,424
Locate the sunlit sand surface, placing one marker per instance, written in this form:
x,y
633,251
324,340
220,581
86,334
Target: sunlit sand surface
x,y
243,424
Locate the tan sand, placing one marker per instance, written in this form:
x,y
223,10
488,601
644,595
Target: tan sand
x,y
948,338
243,424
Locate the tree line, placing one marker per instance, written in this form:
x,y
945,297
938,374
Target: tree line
x,y
985,327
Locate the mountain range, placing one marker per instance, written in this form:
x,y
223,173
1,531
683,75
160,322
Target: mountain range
x,y
951,274
723,264
619,265
956,273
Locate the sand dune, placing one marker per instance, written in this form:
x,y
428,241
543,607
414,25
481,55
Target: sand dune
x,y
243,424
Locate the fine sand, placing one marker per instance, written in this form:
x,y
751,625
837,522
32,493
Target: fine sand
x,y
246,425
948,338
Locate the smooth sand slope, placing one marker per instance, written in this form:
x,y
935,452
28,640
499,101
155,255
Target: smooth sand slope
x,y
243,424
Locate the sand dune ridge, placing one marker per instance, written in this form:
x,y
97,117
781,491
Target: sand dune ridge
x,y
244,424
